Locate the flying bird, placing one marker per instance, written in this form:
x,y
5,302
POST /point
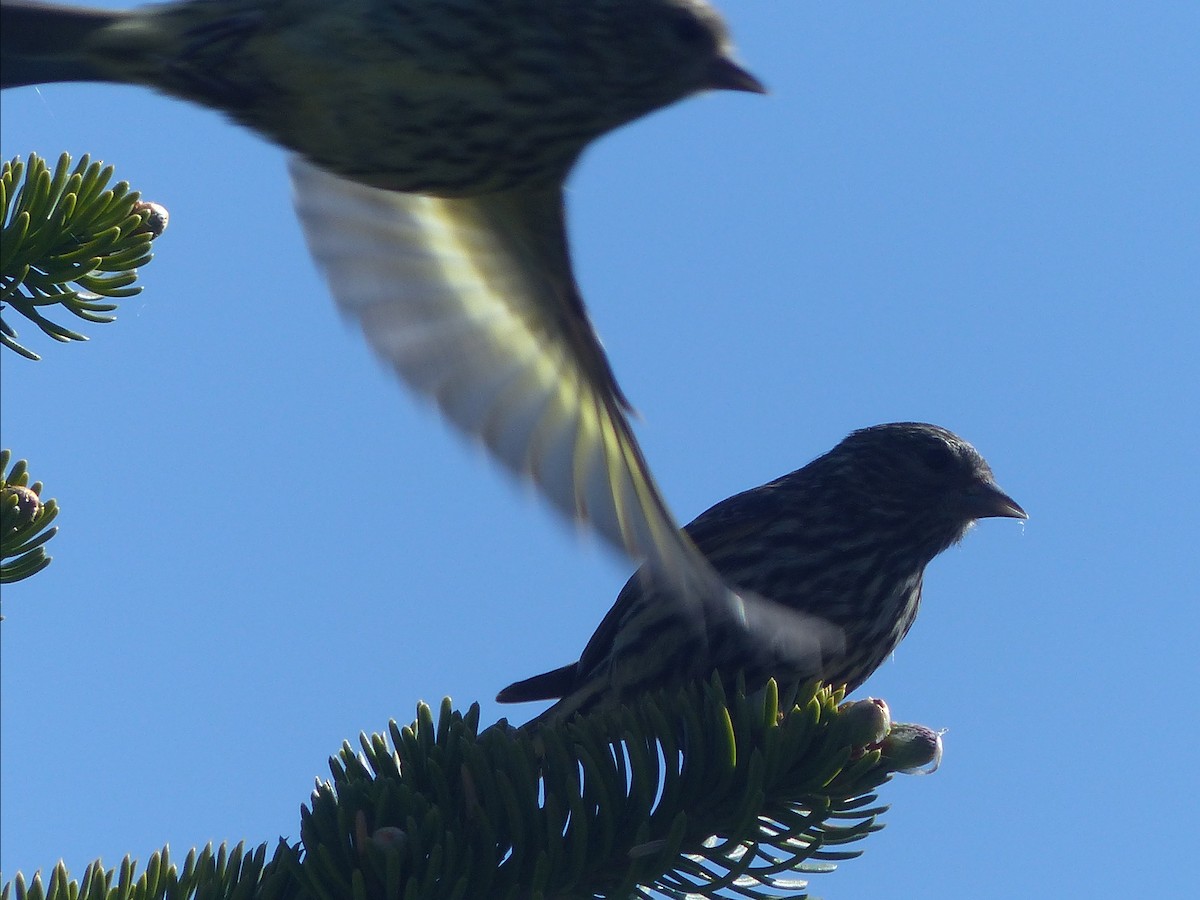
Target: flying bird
x,y
843,542
431,140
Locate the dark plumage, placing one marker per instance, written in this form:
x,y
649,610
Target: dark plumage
x,y
445,97
838,548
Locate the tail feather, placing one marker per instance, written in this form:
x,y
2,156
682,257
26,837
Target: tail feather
x,y
547,686
41,43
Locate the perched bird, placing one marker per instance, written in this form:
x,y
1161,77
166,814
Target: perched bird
x,y
844,540
432,139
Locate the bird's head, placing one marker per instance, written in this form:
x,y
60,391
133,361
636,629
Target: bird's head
x,y
641,55
919,479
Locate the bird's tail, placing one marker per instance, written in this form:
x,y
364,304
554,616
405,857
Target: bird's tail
x,y
547,686
40,42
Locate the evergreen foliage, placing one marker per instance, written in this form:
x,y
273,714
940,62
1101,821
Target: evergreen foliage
x,y
679,796
69,240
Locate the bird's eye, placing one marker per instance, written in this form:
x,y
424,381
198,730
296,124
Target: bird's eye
x,y
691,32
938,457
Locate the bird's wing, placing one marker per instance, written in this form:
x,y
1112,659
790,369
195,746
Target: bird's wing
x,y
725,623
472,301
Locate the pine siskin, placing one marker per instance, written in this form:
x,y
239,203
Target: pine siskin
x,y
433,139
844,540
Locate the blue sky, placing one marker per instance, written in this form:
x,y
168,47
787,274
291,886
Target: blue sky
x,y
984,216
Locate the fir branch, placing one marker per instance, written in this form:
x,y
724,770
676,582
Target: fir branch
x,y
24,522
69,240
683,795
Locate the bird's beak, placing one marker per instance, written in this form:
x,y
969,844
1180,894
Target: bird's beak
x,y
988,501
726,75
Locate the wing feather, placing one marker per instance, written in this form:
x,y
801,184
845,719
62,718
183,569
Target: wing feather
x,y
472,302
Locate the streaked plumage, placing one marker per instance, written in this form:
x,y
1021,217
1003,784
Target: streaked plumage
x,y
433,139
842,541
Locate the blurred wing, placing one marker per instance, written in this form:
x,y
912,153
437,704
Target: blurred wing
x,y
472,301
